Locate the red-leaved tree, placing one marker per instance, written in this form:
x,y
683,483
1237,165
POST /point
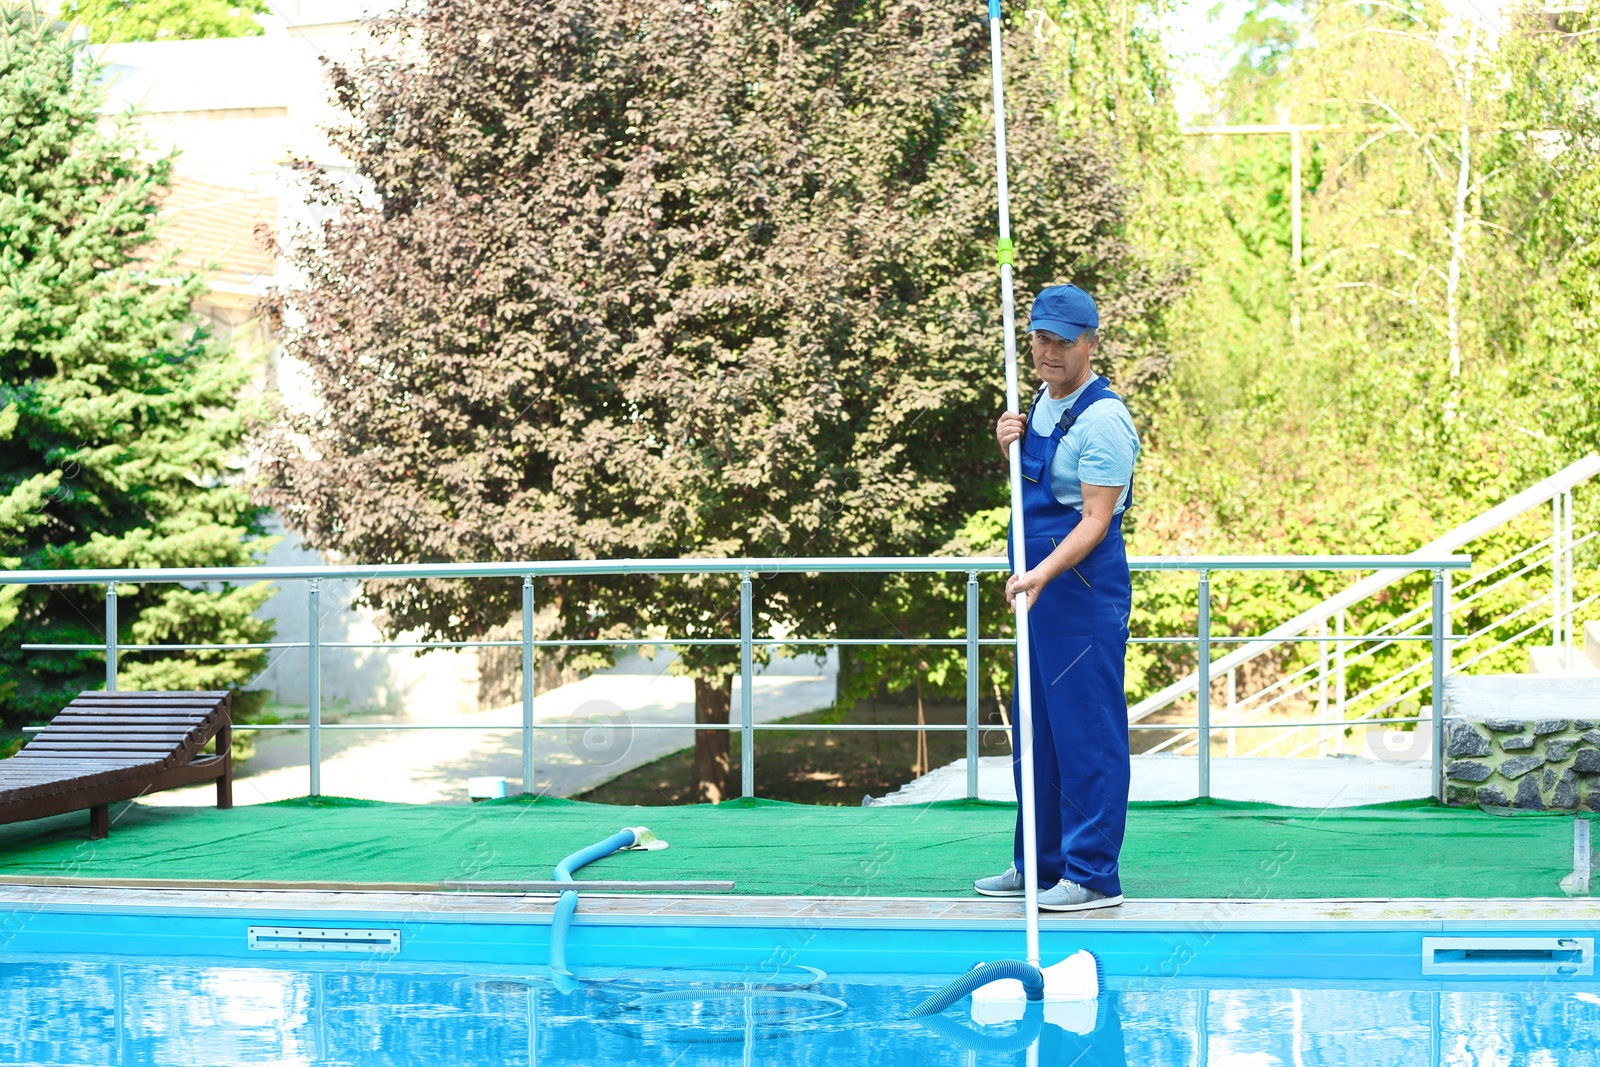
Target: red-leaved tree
x,y
639,278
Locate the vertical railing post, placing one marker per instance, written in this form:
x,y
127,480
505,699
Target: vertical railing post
x,y
1582,855
527,684
1338,660
1232,707
111,637
314,680
1204,692
1324,733
972,685
1449,624
1572,592
1556,529
747,731
1438,685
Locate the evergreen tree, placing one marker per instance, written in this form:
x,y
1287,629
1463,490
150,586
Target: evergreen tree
x,y
628,279
120,419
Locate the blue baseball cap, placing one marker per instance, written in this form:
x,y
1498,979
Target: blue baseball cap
x,y
1064,310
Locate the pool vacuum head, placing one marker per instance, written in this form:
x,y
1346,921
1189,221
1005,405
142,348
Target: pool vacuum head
x,y
1071,990
1000,990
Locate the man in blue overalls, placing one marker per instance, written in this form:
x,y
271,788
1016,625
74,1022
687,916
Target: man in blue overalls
x,y
1078,452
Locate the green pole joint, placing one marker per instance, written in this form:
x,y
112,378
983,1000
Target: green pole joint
x,y
1004,251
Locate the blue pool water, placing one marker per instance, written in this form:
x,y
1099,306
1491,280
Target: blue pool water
x,y
181,1011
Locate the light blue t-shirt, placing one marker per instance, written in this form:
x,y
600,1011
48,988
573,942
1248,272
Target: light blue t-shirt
x,y
1100,449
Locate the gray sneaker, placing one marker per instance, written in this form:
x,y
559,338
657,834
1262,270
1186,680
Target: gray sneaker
x,y
1001,885
1070,896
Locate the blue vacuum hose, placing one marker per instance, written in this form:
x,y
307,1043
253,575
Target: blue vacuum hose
x,y
981,975
568,904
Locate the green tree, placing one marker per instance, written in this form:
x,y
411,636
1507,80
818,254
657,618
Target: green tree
x,y
1444,357
120,418
1549,211
165,20
618,281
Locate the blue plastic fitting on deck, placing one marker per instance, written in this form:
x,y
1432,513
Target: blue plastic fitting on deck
x,y
981,975
568,904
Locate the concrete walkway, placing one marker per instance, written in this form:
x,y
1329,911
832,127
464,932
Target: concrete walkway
x,y
1331,782
432,766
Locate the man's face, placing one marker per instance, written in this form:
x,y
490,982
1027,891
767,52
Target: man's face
x,y
1059,362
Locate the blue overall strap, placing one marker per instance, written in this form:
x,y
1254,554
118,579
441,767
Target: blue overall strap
x,y
1097,390
1037,393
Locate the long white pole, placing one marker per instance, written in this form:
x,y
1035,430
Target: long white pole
x,y
1030,843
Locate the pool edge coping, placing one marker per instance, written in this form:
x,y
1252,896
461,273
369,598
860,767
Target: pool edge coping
x,y
883,913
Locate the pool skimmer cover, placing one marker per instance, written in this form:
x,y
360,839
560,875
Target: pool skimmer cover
x,y
322,939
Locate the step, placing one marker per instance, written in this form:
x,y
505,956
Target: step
x,y
1313,782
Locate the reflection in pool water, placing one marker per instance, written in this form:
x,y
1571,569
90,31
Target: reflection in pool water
x,y
181,1012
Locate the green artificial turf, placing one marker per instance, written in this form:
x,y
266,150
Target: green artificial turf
x,y
1194,849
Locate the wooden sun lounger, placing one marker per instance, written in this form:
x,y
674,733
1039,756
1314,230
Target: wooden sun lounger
x,y
108,747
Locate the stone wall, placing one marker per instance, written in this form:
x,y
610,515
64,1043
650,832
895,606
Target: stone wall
x,y
1532,764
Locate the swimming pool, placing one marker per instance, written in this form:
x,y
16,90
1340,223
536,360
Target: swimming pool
x,y
194,1011
121,976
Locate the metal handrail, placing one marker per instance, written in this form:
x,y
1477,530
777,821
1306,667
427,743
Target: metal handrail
x,y
1245,722
1310,673
1506,643
747,641
1562,545
752,566
1551,489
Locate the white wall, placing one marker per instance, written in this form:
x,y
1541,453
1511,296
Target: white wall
x,y
435,684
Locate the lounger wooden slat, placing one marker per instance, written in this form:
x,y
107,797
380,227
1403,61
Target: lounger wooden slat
x,y
52,790
177,711
104,711
89,738
66,782
77,770
109,747
110,743
106,772
107,750
142,698
171,708
54,743
105,758
124,720
99,759
140,734
40,755
132,727
148,706
186,722
124,759
96,742
189,722
123,707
